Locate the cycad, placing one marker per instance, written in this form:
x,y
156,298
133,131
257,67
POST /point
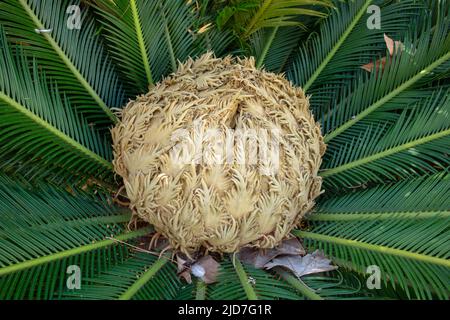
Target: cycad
x,y
385,171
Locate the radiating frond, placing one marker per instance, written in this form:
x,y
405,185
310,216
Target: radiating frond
x,y
401,228
280,14
140,277
42,226
407,70
409,199
385,172
414,144
37,127
75,58
148,38
239,281
273,47
331,58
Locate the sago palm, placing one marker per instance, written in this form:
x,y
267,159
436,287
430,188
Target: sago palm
x,y
386,200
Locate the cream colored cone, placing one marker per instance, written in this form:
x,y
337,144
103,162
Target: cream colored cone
x,y
206,199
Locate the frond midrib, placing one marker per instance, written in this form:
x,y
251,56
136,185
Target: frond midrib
x,y
336,47
141,41
365,216
299,285
257,16
405,146
374,106
243,278
68,62
54,131
78,222
168,38
357,244
72,252
200,290
142,280
266,48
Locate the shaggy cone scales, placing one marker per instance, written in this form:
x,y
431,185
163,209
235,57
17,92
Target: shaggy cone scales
x,y
221,207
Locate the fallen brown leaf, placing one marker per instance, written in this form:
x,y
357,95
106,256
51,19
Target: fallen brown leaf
x,y
206,268
311,263
258,258
184,270
392,46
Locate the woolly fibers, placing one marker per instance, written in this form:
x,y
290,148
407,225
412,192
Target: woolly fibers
x,y
208,201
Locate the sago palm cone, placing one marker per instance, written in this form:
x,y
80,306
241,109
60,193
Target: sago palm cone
x,y
208,201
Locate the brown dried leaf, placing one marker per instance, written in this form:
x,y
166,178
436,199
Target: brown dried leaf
x,y
393,45
258,258
186,275
311,263
184,270
379,63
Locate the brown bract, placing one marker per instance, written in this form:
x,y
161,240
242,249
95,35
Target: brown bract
x,y
206,200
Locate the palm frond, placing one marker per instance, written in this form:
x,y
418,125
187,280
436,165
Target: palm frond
x,y
35,236
332,58
407,70
238,281
385,170
147,38
274,14
49,281
74,58
416,198
415,144
42,226
331,286
273,47
38,126
410,243
140,277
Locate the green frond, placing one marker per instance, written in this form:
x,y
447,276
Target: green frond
x,y
74,58
49,281
411,248
238,281
299,285
144,279
280,14
200,292
331,58
141,276
38,126
273,47
244,279
424,197
331,286
385,171
408,70
42,229
48,230
414,144
148,38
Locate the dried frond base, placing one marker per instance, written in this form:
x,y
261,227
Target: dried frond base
x,y
220,206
